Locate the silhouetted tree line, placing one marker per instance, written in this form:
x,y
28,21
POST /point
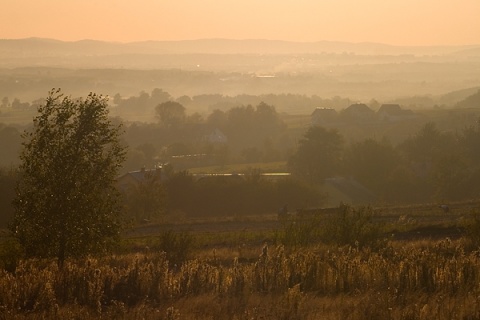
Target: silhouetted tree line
x,y
146,103
429,165
251,134
181,194
237,195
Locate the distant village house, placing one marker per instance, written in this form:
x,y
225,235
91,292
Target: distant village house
x,y
394,113
358,112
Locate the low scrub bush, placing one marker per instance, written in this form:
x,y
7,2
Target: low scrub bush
x,y
344,226
354,227
10,253
178,246
472,229
299,231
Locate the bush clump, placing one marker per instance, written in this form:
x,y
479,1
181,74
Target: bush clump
x,y
354,227
178,246
343,226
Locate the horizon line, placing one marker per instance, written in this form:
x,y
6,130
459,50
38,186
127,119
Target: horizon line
x,y
246,39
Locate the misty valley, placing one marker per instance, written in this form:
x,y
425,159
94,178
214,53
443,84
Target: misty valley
x,y
239,179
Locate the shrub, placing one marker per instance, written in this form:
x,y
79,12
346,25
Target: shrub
x,y
236,195
298,231
343,226
10,254
354,227
177,246
472,229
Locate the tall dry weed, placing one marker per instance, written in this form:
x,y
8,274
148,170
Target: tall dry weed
x,y
145,285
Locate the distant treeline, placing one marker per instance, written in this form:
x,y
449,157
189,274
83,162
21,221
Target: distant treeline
x,y
433,158
144,104
429,166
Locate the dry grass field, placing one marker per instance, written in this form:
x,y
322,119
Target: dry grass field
x,y
427,267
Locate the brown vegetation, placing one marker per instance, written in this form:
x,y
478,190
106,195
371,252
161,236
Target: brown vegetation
x,y
439,281
242,278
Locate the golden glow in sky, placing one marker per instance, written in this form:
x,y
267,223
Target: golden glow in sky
x,y
397,22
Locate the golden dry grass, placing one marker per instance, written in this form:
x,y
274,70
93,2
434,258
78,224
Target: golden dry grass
x,y
423,280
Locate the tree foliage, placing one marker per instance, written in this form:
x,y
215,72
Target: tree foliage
x,y
319,154
354,227
170,114
146,201
66,203
237,195
8,178
371,162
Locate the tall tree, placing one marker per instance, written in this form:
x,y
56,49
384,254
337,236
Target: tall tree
x,y
319,155
427,144
66,203
146,200
371,162
8,179
171,113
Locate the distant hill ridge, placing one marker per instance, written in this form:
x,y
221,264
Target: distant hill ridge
x,y
50,47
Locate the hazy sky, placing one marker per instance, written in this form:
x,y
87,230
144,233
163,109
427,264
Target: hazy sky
x,y
398,22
